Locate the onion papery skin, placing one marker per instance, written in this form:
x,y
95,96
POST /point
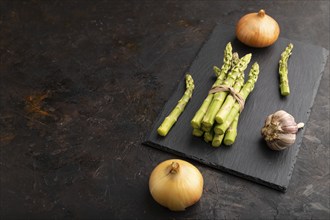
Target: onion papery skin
x,y
176,191
257,30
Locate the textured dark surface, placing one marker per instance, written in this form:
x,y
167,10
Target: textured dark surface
x,y
82,83
249,156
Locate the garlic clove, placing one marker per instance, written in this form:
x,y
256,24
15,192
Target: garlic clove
x,y
286,139
276,146
292,129
282,141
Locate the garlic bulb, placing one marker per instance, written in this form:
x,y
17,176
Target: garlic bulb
x,y
257,29
176,184
280,130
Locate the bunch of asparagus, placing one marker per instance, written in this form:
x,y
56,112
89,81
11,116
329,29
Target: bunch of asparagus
x,y
218,116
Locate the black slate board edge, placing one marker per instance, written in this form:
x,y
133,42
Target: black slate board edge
x,y
302,131
281,188
212,165
233,172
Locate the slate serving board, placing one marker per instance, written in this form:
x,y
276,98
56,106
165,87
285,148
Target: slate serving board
x,y
249,157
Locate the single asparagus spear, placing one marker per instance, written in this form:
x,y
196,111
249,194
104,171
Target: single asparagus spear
x,y
221,75
219,97
283,70
208,136
245,91
217,140
235,59
206,129
230,100
197,132
225,67
217,71
227,59
231,133
176,112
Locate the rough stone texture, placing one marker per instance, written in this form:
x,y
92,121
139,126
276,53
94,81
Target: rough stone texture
x,y
82,83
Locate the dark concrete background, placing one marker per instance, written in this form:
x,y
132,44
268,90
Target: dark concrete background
x,y
83,81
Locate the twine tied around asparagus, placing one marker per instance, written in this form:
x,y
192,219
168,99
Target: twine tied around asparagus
x,y
232,91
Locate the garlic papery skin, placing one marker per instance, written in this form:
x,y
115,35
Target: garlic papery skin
x,y
257,29
280,130
176,184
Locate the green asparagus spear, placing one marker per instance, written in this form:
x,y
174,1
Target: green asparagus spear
x,y
197,132
231,133
206,129
283,70
227,59
235,59
221,75
245,91
219,97
217,140
176,112
230,100
217,71
208,136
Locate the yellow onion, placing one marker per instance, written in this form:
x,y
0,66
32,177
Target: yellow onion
x,y
176,184
257,29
